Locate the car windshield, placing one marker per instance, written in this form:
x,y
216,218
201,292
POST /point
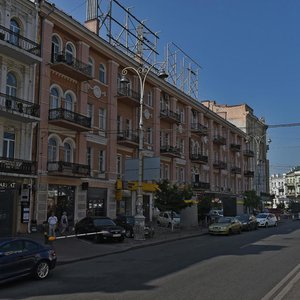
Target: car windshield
x,y
243,217
176,215
103,222
224,220
261,216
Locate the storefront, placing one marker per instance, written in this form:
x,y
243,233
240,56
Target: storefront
x,y
97,202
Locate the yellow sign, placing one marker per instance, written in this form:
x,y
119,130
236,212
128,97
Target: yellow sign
x,y
119,184
118,195
191,201
146,187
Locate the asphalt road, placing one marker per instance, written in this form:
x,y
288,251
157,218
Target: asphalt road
x,y
247,266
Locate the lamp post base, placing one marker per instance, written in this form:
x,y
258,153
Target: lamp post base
x,y
139,228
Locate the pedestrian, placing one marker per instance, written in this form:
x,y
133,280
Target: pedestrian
x,y
52,222
64,223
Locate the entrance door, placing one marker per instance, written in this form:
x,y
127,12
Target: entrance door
x,y
6,212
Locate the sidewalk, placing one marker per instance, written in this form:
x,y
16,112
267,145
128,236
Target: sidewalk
x,y
74,249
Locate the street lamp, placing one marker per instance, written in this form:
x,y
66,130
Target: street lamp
x,y
142,73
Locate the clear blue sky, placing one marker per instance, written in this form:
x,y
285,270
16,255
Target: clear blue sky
x,y
249,51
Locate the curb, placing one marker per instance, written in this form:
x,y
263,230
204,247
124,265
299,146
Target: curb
x,y
134,247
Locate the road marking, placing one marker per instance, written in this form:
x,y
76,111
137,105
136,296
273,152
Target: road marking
x,y
284,286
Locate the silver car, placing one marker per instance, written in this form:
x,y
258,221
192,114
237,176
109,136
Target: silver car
x,y
166,218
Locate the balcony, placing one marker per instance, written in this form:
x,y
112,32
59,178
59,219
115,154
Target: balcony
x,y
199,129
18,47
219,140
68,169
221,165
69,119
18,109
170,116
235,147
170,151
19,166
199,185
199,158
71,67
236,170
249,173
128,138
248,153
129,96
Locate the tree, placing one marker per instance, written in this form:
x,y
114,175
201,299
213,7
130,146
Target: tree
x,y
251,200
171,197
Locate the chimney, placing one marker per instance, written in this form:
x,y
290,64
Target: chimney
x,y
92,22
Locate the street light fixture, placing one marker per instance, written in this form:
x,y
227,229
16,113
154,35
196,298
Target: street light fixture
x,y
142,73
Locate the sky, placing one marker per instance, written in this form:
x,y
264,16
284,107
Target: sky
x,y
249,52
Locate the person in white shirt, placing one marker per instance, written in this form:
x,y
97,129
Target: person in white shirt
x,y
64,223
52,222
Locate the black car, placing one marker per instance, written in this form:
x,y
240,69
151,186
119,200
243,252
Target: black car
x,y
248,221
22,257
127,222
106,229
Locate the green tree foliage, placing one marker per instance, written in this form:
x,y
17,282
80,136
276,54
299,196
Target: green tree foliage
x,y
171,197
251,200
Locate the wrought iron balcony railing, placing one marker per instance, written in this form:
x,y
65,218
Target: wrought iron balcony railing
x,y
11,103
218,139
199,157
68,168
73,62
19,41
128,136
236,170
127,92
20,166
201,185
248,153
235,147
170,150
220,165
166,113
249,173
68,115
199,128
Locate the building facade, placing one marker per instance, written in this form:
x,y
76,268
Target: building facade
x,y
278,189
20,56
87,129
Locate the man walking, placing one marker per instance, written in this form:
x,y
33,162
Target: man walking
x,y
52,222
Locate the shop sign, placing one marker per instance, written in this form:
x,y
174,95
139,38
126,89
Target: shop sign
x,y
7,185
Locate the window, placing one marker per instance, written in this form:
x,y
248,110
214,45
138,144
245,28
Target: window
x,y
149,99
52,150
119,124
9,145
90,110
54,98
91,66
102,75
102,118
67,152
101,161
89,157
149,135
55,48
15,32
11,85
119,166
69,102
70,53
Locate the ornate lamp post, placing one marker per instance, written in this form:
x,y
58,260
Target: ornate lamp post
x,y
142,73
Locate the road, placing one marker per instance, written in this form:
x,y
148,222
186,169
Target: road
x,y
246,266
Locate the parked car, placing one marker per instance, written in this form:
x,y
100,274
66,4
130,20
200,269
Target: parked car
x,y
226,226
105,226
248,221
21,257
266,220
127,222
166,218
214,215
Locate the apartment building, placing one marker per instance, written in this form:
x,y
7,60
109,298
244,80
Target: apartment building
x,y
278,188
20,56
87,129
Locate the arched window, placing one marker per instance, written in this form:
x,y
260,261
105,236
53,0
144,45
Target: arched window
x,y
52,150
67,152
54,98
91,66
15,32
55,48
69,102
11,85
102,74
70,53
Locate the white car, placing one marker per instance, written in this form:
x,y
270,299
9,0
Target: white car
x,y
165,219
266,220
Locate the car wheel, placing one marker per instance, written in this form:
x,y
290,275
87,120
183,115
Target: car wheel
x,y
42,270
128,233
121,239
